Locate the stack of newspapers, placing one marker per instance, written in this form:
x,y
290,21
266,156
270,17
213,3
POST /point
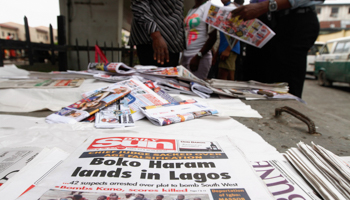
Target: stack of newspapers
x,y
328,174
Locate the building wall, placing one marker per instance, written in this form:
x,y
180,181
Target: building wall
x,y
325,16
100,21
37,34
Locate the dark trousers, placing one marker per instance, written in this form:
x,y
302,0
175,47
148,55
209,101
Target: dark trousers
x,y
145,54
283,58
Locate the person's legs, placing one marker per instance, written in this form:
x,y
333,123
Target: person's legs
x,y
223,74
283,58
227,67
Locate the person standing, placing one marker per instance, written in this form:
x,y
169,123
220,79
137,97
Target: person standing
x,y
226,55
157,30
283,58
197,57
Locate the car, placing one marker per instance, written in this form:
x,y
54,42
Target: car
x,y
311,55
333,62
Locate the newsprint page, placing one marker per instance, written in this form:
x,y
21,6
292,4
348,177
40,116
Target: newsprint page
x,y
149,168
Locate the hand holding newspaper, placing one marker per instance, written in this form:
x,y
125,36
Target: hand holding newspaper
x,y
253,32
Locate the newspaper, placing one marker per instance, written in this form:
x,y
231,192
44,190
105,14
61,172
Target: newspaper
x,y
175,88
114,67
325,177
110,78
211,169
228,84
170,114
89,105
253,32
115,116
12,160
277,95
154,86
40,165
180,72
201,90
139,96
42,83
283,181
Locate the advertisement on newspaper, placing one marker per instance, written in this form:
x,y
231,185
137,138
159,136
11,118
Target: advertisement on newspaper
x,y
154,168
253,32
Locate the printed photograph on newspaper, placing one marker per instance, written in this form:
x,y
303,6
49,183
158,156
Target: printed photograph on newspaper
x,y
89,105
157,168
253,32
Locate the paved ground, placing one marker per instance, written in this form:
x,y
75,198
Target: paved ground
x,y
328,107
333,100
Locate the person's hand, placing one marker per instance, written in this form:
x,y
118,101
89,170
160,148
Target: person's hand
x,y
224,55
160,48
194,63
250,11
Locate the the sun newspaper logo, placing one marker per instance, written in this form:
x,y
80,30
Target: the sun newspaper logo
x,y
133,142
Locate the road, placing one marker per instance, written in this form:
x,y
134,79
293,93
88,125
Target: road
x,y
334,100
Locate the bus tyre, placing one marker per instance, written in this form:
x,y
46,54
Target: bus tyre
x,y
322,80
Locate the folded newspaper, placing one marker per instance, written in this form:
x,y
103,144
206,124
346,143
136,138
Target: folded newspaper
x,y
283,181
89,105
328,174
151,165
253,32
228,84
201,90
170,114
114,67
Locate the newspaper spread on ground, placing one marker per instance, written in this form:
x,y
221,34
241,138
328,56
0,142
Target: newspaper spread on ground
x,y
32,173
325,179
211,169
283,181
170,114
41,83
12,160
89,105
253,32
115,116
